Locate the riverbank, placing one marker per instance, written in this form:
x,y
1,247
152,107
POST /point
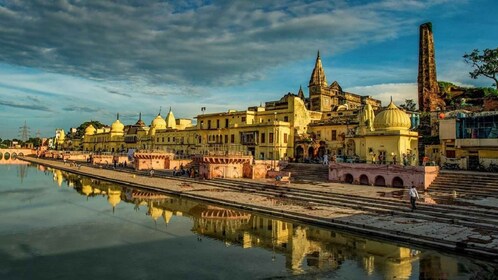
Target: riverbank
x,y
394,225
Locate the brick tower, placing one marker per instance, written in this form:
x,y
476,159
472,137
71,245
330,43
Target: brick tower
x,y
429,99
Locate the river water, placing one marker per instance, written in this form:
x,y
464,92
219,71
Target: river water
x,y
57,225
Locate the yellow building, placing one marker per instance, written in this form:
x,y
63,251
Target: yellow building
x,y
330,121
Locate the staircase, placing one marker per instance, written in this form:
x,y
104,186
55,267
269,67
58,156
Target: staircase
x,y
478,183
307,172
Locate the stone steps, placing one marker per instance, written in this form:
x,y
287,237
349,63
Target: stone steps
x,y
307,172
464,181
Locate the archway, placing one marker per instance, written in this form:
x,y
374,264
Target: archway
x,y
299,153
397,182
380,181
321,151
6,156
311,152
1,156
21,154
14,156
364,180
348,178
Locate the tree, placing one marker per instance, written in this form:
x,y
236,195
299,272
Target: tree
x,y
80,131
409,105
484,65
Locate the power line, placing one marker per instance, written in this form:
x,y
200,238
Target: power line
x,y
24,132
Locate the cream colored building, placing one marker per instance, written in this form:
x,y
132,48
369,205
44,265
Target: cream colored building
x,y
294,127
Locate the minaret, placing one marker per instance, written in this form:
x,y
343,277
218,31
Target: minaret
x,y
318,89
429,99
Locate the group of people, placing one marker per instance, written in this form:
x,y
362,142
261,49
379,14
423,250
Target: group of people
x,y
182,171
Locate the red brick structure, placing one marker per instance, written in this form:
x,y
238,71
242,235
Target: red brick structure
x,y
429,98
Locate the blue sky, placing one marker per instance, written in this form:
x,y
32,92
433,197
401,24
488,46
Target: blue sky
x,y
66,62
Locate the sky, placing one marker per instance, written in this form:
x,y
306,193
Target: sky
x,y
64,62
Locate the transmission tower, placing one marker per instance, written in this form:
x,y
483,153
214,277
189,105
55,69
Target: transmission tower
x,y
24,132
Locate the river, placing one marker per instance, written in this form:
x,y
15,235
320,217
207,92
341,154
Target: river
x,y
58,225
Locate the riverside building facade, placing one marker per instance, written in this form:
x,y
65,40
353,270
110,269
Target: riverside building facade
x,y
329,122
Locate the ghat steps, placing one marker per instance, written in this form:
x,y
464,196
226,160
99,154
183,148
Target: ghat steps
x,y
307,172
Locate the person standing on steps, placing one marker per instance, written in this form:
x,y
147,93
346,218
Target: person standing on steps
x,y
413,197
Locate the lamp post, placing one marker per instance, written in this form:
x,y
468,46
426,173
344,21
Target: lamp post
x,y
274,139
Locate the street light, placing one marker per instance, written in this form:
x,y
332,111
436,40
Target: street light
x,y
274,140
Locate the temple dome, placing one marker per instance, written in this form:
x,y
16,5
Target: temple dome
x,y
392,118
117,126
158,123
90,130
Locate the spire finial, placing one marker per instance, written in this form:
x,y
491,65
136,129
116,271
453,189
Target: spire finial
x,y
318,54
140,116
170,108
160,108
391,99
117,116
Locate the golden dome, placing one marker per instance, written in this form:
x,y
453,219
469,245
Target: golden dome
x,y
117,126
158,123
392,118
90,130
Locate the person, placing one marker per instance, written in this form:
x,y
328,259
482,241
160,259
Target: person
x,y
381,159
174,171
395,161
405,160
334,158
373,158
425,160
325,159
152,172
413,197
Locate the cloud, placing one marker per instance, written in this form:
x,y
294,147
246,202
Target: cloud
x,y
218,43
24,106
398,91
81,109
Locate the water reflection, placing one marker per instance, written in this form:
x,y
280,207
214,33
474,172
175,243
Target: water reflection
x,y
305,249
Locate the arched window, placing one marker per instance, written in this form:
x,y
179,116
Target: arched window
x,y
6,156
397,182
380,181
364,180
348,178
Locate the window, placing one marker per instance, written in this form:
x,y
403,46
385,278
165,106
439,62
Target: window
x,y
270,137
334,135
285,138
169,139
226,122
217,123
226,138
286,119
209,124
243,119
232,138
263,138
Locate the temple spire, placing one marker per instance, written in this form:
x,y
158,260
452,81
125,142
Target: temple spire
x,y
318,75
160,108
300,93
117,116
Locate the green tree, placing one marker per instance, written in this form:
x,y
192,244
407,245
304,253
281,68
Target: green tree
x,y
80,130
485,64
409,105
